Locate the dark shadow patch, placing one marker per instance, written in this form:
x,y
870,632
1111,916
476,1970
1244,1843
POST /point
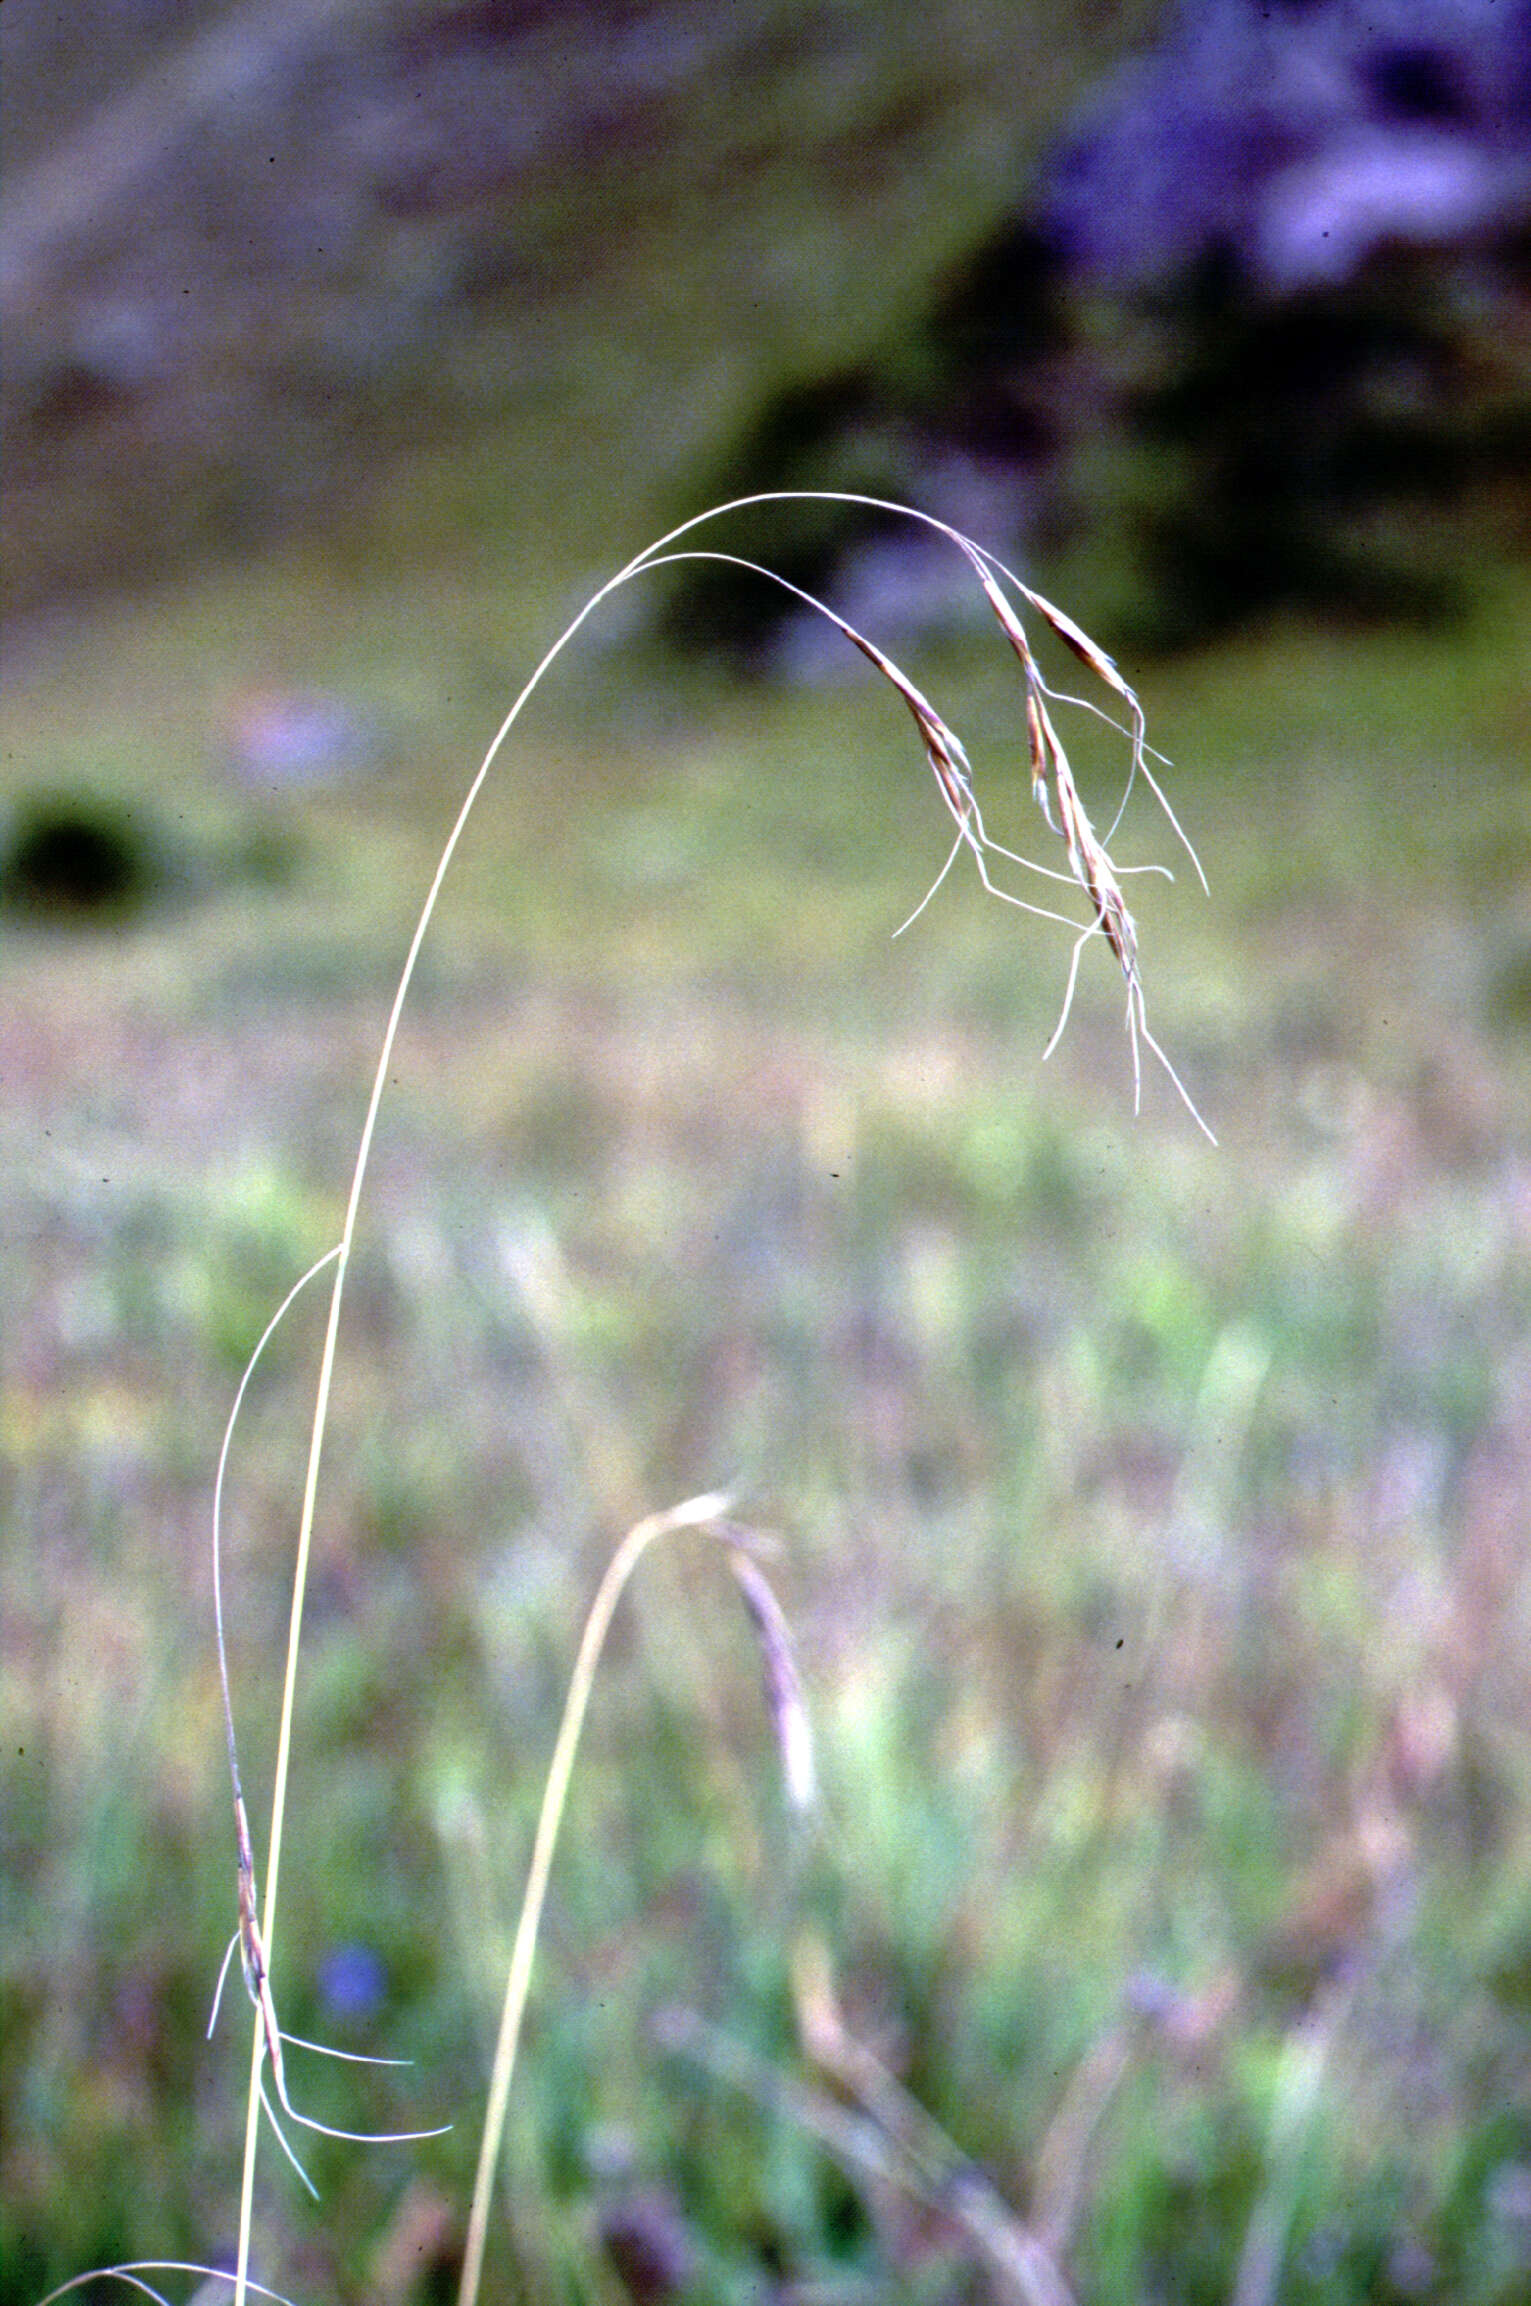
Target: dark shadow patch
x,y
73,859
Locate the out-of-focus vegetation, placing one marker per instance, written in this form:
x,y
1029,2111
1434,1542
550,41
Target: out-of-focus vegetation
x,y
1153,1518
288,245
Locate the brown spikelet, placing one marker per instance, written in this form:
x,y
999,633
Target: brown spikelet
x,y
1090,867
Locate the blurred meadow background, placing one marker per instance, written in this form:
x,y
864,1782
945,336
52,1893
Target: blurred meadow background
x,y
1152,1519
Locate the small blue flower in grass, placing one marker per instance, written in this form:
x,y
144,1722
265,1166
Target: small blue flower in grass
x,y
352,1981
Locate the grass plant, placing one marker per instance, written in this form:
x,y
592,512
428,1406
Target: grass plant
x,y
1091,872
1208,1951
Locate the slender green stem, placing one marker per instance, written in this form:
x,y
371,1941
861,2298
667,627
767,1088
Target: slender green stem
x,y
283,1768
257,2046
696,1513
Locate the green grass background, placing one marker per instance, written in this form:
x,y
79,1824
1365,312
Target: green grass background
x,y
1153,1518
